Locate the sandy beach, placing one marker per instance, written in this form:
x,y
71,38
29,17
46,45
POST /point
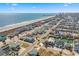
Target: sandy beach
x,y
10,28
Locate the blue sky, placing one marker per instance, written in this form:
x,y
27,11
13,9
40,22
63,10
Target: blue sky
x,y
38,7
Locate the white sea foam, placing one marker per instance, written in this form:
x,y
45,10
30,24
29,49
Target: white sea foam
x,y
12,26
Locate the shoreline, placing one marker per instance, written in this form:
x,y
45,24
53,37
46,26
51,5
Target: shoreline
x,y
18,25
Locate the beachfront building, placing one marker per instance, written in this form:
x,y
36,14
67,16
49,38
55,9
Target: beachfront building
x,y
9,49
28,39
59,44
2,38
33,52
5,51
48,44
76,46
14,46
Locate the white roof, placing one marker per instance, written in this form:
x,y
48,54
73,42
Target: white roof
x,y
50,39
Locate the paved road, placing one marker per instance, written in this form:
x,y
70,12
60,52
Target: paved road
x,y
46,34
32,46
57,24
28,49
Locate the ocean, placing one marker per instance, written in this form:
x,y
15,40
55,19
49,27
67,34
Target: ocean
x,y
12,18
